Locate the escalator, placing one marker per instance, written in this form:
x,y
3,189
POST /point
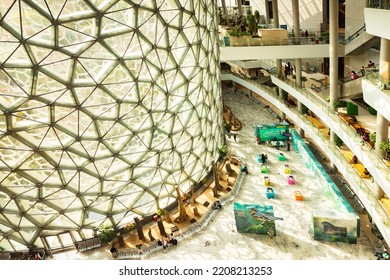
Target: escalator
x,y
359,42
351,88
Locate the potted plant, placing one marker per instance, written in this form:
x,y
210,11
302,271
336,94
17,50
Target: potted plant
x,y
340,104
251,23
238,37
160,212
385,146
337,140
325,37
371,110
303,80
106,233
305,110
373,137
223,151
257,17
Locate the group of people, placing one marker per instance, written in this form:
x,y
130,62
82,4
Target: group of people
x,y
31,256
364,135
362,71
302,33
217,205
166,241
277,144
353,75
288,69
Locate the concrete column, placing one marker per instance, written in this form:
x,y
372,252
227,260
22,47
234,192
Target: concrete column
x,y
280,95
382,133
239,4
382,124
224,9
378,192
297,35
296,25
331,136
279,67
275,13
333,51
384,63
267,19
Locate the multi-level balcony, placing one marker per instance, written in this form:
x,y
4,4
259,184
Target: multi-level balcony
x,y
363,188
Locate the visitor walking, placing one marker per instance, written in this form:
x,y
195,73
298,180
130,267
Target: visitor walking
x,y
235,137
288,145
362,71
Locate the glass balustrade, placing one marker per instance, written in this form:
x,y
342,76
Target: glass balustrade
x,y
374,77
323,105
361,184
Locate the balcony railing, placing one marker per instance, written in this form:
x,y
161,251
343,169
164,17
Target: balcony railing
x,y
324,107
248,41
359,183
353,36
378,4
372,75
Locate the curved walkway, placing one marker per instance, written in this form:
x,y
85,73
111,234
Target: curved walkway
x,y
220,239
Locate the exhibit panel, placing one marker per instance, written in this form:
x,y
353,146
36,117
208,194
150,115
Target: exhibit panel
x,y
255,218
272,131
328,227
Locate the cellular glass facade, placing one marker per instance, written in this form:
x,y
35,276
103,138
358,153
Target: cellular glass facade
x,y
105,107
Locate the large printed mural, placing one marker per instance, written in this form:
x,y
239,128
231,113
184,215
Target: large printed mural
x,y
254,218
335,229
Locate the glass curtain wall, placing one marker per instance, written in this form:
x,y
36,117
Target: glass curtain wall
x,y
105,107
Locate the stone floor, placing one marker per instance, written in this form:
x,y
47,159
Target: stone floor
x,y
220,239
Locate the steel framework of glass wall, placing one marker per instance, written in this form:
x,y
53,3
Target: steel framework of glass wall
x,y
105,107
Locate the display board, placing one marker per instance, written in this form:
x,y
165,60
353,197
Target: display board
x,y
270,131
337,222
255,218
329,228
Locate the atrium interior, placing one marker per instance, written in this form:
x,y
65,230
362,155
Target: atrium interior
x,y
117,117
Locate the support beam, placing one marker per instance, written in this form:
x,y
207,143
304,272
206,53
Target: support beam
x,y
333,51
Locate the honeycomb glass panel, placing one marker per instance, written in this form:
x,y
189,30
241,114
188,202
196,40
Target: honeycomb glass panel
x,y
105,108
